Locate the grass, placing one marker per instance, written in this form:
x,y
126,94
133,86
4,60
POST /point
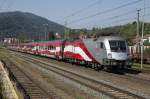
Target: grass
x,y
145,69
138,66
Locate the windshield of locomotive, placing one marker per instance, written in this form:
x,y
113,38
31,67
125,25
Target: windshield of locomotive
x,y
117,45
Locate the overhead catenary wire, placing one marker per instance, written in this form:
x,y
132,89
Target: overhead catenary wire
x,y
116,16
105,20
123,14
128,19
5,5
81,10
106,11
10,4
121,20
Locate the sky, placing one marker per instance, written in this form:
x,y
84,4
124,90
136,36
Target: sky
x,y
78,14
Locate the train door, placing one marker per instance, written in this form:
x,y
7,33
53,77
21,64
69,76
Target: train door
x,y
101,51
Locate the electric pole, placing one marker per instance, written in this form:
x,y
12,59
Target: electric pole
x,y
142,38
138,34
65,34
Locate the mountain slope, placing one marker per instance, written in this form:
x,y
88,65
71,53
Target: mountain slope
x,y
26,24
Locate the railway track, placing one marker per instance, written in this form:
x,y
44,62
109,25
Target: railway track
x,y
98,86
26,84
131,76
129,73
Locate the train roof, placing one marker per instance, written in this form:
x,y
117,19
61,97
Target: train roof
x,y
58,42
110,38
54,42
102,38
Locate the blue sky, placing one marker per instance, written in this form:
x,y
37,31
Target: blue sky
x,y
57,10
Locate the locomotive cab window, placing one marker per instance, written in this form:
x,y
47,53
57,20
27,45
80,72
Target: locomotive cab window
x,y
117,46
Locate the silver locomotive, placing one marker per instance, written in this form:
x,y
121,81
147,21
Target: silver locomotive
x,y
109,51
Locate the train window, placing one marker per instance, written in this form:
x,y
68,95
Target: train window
x,y
101,45
48,47
117,45
52,47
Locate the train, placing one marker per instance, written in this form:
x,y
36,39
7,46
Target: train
x,y
105,52
135,53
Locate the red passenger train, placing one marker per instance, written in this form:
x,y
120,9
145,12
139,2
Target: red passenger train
x,y
107,51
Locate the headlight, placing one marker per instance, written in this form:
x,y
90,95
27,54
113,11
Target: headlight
x,y
109,55
114,63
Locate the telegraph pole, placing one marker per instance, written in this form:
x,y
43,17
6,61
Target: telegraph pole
x,y
142,44
65,34
142,38
138,34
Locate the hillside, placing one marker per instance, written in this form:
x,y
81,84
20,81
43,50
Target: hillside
x,y
28,25
127,31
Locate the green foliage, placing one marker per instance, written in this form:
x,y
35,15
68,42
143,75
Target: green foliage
x,y
29,26
74,33
83,32
127,31
22,36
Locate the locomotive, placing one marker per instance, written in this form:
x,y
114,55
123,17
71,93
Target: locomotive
x,y
103,52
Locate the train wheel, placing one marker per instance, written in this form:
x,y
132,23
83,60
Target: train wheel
x,y
93,66
100,67
122,67
86,64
